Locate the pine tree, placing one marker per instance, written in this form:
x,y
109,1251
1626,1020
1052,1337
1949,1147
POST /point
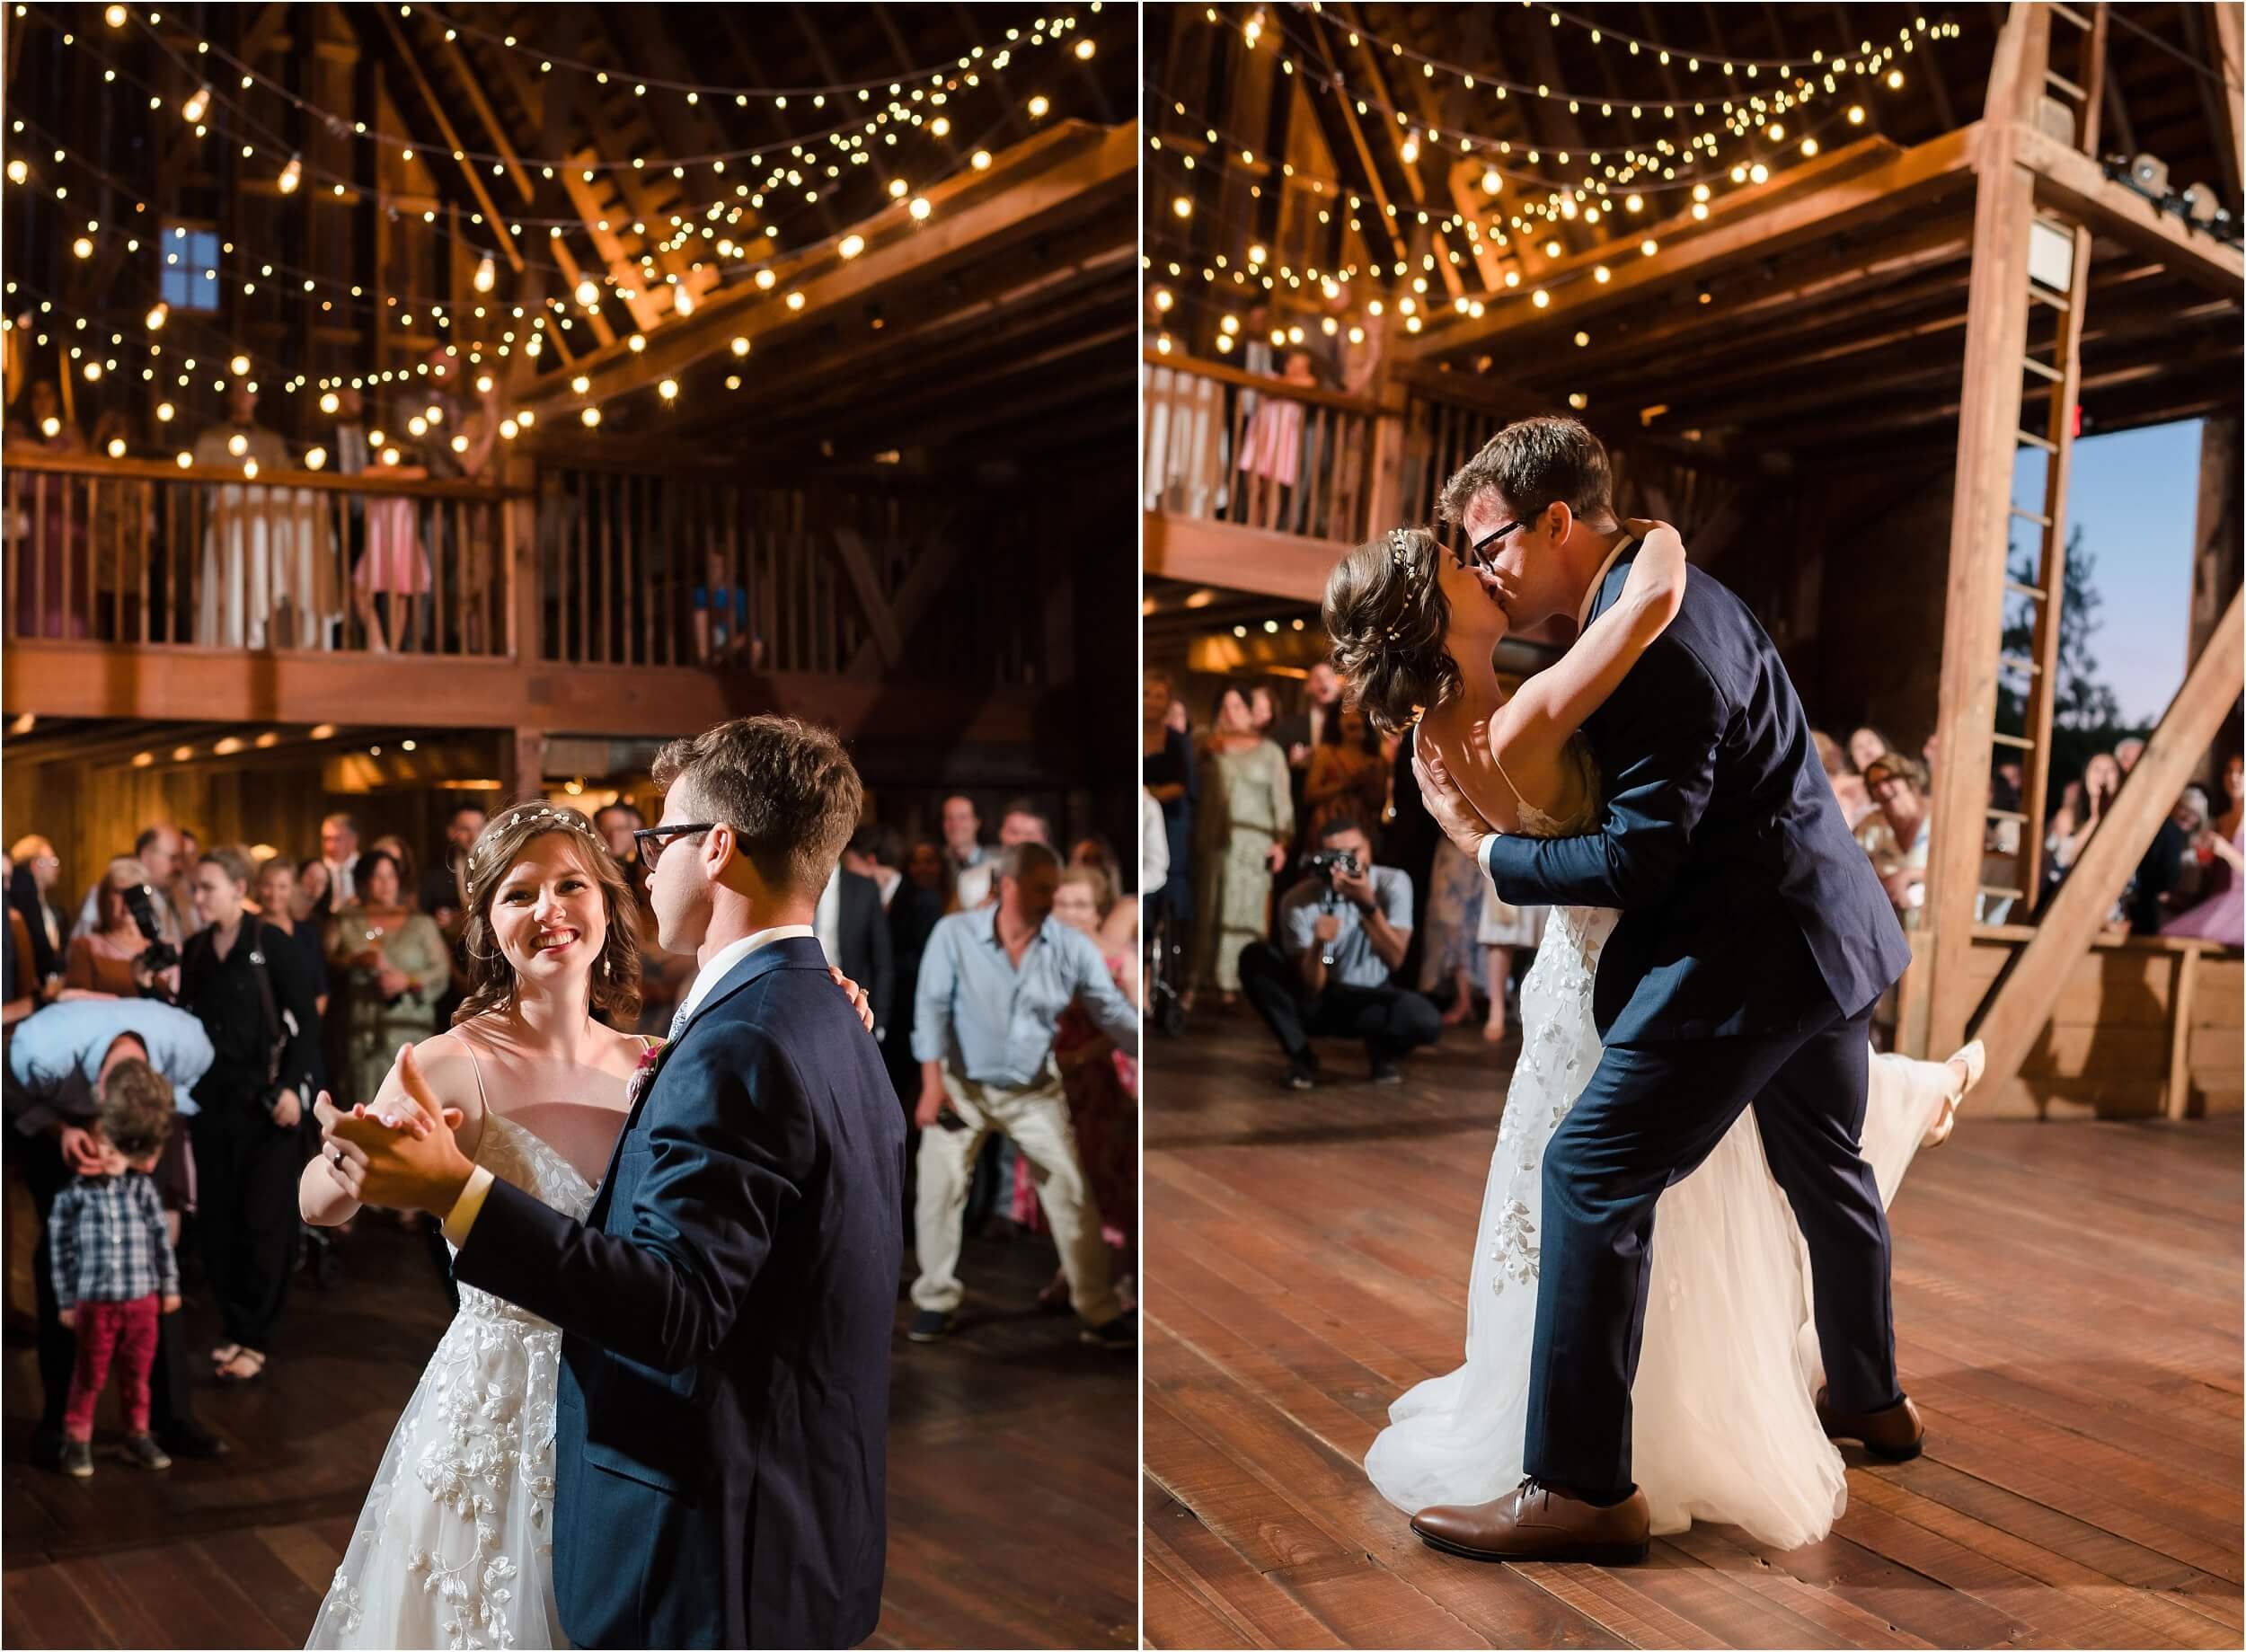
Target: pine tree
x,y
2085,715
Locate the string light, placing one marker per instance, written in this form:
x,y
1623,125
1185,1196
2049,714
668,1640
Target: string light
x,y
291,176
315,458
487,275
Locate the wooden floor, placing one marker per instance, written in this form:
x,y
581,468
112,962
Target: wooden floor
x,y
2067,1301
1012,1457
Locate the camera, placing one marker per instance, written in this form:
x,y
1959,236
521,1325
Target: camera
x,y
1319,862
161,954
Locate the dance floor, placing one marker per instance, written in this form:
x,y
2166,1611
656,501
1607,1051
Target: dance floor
x,y
1010,1465
2067,1301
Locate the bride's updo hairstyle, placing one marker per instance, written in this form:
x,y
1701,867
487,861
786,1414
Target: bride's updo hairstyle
x,y
492,984
1387,616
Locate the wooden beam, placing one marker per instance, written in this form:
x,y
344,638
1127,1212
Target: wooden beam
x,y
1065,164
923,580
2230,60
2024,994
2182,991
89,679
873,603
1865,184
2075,185
465,74
1384,212
1239,558
1973,611
436,106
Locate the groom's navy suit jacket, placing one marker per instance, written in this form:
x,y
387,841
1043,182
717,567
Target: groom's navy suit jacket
x,y
1747,906
721,1442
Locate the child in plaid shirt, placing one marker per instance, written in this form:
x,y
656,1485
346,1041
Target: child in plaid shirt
x,y
113,1267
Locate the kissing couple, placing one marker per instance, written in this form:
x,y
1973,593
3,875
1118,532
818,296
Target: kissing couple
x,y
1694,1038
660,1415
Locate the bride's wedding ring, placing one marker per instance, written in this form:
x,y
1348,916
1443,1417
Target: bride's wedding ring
x,y
336,1153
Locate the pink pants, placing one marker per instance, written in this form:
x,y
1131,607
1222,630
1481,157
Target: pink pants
x,y
126,1331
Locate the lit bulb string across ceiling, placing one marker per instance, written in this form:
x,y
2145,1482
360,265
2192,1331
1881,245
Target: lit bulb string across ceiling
x,y
1471,143
441,309
475,353
279,145
549,61
1230,145
721,266
971,63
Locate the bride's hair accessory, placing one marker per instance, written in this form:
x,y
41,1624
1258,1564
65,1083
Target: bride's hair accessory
x,y
486,850
1399,558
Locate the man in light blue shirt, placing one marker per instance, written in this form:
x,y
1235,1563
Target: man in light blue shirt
x,y
1342,933
993,984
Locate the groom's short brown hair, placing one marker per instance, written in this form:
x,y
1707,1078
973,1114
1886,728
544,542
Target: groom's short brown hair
x,y
787,788
1534,465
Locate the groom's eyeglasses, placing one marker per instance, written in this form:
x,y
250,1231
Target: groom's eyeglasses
x,y
1479,554
651,839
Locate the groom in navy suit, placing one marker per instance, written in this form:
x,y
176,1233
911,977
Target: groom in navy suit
x,y
1753,943
721,1431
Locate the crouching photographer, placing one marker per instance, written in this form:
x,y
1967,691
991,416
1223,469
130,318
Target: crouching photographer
x,y
242,979
1342,931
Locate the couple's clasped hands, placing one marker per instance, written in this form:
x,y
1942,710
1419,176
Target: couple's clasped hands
x,y
402,1153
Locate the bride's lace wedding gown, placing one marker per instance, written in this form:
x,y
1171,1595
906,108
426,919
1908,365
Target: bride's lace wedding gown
x,y
1725,1424
455,1547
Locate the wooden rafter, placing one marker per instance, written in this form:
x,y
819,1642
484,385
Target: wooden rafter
x,y
465,73
435,107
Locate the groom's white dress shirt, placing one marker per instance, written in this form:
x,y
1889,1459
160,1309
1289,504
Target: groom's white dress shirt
x,y
462,1216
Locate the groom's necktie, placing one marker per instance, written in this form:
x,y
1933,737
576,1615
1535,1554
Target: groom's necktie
x,y
678,1024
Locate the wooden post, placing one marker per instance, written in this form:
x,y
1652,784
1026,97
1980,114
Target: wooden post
x,y
1384,487
523,765
1988,421
2180,1008
2215,568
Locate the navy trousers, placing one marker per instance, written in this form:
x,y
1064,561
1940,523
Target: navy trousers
x,y
1650,1114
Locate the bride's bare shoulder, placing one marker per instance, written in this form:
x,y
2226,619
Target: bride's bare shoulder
x,y
622,1051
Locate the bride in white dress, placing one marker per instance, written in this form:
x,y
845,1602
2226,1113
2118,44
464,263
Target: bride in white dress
x,y
454,1547
1725,1424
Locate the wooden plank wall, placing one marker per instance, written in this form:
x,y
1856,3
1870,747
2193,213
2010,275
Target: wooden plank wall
x,y
2105,1051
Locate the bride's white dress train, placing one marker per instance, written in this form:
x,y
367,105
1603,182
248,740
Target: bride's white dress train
x,y
1725,1424
455,1547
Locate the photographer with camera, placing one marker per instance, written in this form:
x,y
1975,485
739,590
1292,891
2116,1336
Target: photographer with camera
x,y
243,980
1344,930
127,926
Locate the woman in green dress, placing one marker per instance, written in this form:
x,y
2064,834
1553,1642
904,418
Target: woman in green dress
x,y
1244,824
394,966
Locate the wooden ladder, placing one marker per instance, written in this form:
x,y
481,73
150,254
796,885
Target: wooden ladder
x,y
2057,277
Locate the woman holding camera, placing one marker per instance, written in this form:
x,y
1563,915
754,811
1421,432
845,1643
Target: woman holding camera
x,y
240,977
104,960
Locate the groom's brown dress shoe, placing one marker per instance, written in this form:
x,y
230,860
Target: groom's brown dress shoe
x,y
1896,1434
1534,1522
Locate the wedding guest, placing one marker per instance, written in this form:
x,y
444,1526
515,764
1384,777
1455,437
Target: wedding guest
x,y
396,564
2126,752
159,850
962,833
2191,816
1347,779
394,846
2153,886
242,565
1171,777
37,866
616,822
1263,711
239,977
275,891
1101,1083
112,1269
310,904
60,1064
103,960
1452,956
994,983
1898,785
1246,822
1302,733
2082,810
1018,822
923,898
1504,927
1865,745
441,885
390,966
1342,936
2220,915
855,933
1271,452
339,850
877,851
181,890
1847,784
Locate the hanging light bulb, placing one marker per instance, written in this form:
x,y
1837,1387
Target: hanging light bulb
x,y
851,245
1164,298
117,447
51,427
508,430
1084,48
527,419
237,444
158,316
920,209
291,176
460,444
374,439
249,468
740,346
638,342
765,278
389,456
82,247
239,366
668,390
435,414
980,161
315,458
93,372
184,461
1182,205
483,383
487,273
682,301
795,301
580,383
591,416
196,106
115,16
417,425
1038,106
18,171
165,410
588,293
1491,183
